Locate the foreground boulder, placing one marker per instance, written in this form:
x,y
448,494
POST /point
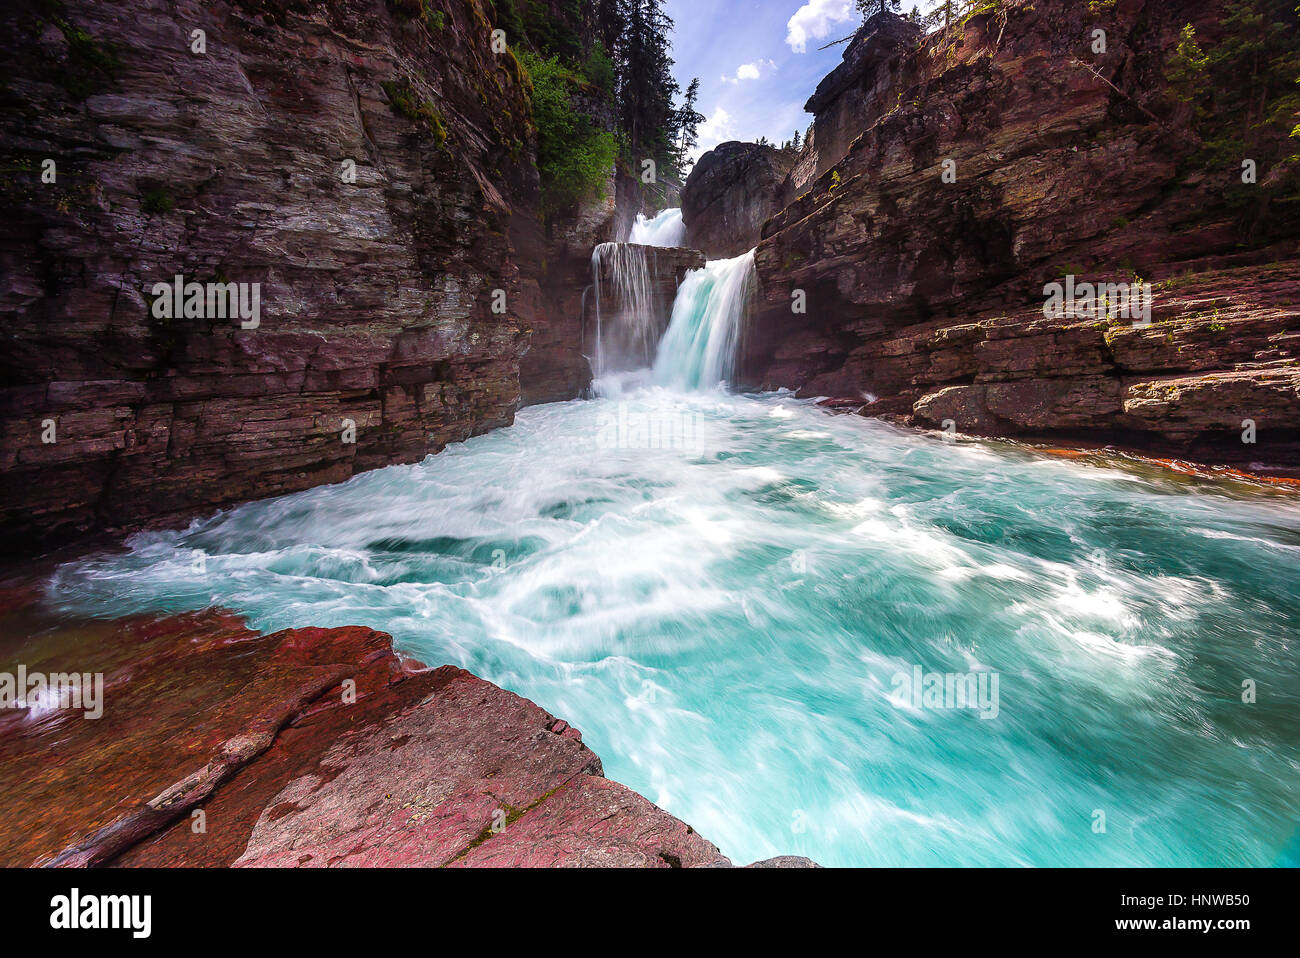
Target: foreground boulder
x,y
220,746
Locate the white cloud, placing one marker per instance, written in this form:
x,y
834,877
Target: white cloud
x,y
814,21
716,129
750,71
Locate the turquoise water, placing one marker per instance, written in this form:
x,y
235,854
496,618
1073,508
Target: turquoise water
x,y
720,590
698,349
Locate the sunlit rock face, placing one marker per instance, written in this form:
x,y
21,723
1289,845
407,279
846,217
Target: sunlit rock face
x,y
373,179
853,96
731,192
924,292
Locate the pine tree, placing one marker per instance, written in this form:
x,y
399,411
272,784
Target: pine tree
x,y
687,122
646,85
870,8
608,21
1245,100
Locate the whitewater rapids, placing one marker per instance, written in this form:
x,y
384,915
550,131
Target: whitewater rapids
x,y
720,591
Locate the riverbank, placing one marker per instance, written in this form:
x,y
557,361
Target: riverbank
x,y
725,617
221,746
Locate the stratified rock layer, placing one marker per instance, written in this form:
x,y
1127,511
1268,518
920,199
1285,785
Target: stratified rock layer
x,y
924,292
364,164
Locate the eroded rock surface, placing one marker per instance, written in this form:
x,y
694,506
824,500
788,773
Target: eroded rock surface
x,y
731,192
308,747
924,295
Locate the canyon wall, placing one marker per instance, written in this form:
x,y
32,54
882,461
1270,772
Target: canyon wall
x,y
367,163
923,292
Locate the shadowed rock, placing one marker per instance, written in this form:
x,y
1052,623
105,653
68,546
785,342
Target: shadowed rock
x,y
731,192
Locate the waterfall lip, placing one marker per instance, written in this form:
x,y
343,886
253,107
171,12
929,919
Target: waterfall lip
x,y
698,349
627,339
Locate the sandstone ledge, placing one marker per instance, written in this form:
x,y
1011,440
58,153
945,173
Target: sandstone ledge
x,y
423,767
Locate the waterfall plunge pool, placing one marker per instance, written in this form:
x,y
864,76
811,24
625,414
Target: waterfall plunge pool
x,y
725,615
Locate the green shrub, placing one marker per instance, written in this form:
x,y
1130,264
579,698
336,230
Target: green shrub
x,y
598,69
406,102
574,156
157,201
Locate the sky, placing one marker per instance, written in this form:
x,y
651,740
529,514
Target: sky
x,y
758,61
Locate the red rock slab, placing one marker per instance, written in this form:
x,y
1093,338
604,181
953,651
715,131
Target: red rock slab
x,y
591,822
187,700
1114,457
420,785
412,775
219,746
441,769
233,811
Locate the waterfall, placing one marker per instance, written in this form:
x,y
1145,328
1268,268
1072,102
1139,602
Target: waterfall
x,y
664,229
699,349
625,316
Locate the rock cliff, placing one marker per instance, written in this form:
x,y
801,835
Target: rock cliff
x,y
367,163
998,158
857,93
732,191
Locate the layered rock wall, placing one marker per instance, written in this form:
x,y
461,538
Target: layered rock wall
x,y
367,163
997,159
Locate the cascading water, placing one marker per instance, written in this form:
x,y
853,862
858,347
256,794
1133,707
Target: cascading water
x,y
663,229
699,349
624,308
724,592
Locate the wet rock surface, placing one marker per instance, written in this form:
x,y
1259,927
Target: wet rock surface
x,y
308,747
633,316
